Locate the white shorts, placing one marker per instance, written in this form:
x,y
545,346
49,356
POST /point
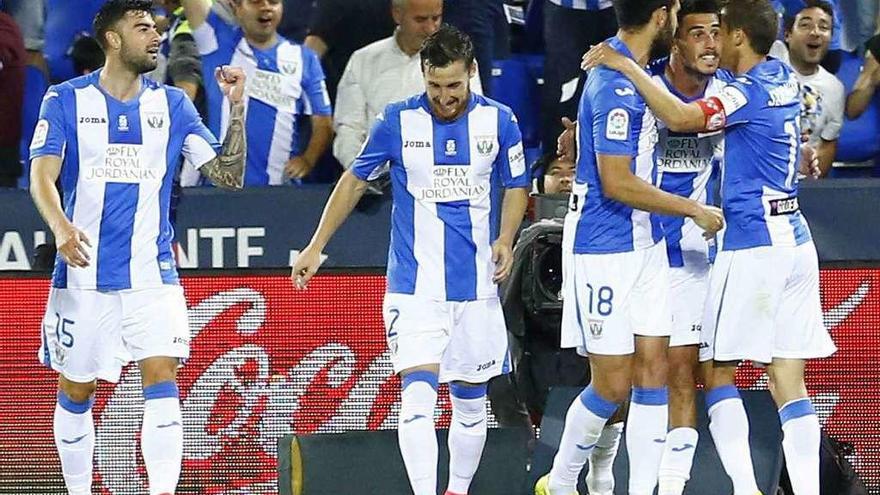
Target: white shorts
x,y
89,334
468,339
687,298
608,299
763,303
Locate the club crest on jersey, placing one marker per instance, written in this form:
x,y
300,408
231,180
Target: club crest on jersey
x,y
450,147
155,120
122,123
485,145
288,67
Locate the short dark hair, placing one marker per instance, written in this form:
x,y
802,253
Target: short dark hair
x,y
112,12
690,7
633,14
810,4
757,18
446,46
87,55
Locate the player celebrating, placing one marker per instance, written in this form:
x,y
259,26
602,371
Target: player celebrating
x,y
763,303
615,306
450,152
285,83
115,137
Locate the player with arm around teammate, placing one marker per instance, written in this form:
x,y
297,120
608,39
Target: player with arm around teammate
x,y
114,137
453,155
615,279
763,303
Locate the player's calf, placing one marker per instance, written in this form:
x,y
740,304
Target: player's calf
x,y
74,431
467,434
162,428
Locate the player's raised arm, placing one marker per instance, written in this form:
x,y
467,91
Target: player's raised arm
x,y
701,115
227,168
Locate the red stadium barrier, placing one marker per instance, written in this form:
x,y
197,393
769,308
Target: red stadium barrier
x,y
268,361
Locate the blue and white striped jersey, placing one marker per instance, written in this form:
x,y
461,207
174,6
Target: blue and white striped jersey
x,y
119,161
686,164
283,83
447,180
584,4
759,182
613,119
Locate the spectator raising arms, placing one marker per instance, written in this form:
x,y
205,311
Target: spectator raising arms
x,y
284,82
807,38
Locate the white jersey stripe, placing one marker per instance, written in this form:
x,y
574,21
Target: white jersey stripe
x,y
483,127
155,125
92,106
429,230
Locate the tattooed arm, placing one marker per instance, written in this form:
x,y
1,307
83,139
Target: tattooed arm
x,y
226,170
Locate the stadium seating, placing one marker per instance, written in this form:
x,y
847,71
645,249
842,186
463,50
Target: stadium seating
x,y
35,86
64,20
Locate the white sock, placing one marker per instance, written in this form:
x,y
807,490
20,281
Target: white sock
x,y
583,425
729,426
74,432
801,443
600,478
678,458
415,431
467,435
645,437
162,437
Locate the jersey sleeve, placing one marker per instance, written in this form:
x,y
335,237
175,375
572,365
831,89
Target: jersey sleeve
x,y
615,111
199,145
50,134
376,151
511,159
740,102
317,100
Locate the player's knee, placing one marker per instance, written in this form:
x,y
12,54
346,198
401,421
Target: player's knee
x,y
651,371
77,391
157,370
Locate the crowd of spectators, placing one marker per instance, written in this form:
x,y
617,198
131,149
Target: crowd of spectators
x,y
337,63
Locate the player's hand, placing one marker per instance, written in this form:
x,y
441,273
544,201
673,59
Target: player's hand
x,y
71,243
604,54
565,141
710,219
305,266
502,255
298,167
231,81
809,165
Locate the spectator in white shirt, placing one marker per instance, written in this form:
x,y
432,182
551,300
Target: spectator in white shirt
x,y
807,36
384,72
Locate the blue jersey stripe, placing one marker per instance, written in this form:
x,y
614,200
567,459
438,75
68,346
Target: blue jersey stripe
x,y
117,230
258,144
459,250
69,179
402,266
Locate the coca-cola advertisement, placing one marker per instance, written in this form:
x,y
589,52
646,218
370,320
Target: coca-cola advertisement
x,y
268,361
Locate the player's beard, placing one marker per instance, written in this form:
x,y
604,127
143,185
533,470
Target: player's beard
x,y
662,43
139,63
